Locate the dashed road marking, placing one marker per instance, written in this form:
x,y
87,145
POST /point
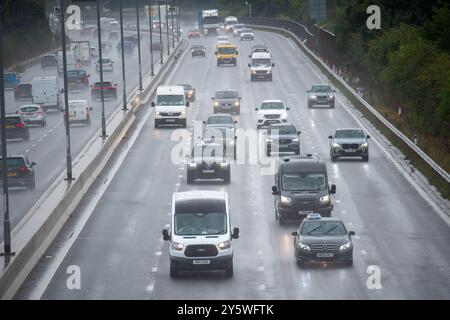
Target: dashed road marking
x,y
150,287
260,268
28,150
363,252
158,253
338,201
155,269
262,287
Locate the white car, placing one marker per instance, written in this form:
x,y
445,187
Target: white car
x,y
223,40
247,34
107,64
270,112
237,29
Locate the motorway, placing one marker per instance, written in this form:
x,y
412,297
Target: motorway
x,y
115,234
47,145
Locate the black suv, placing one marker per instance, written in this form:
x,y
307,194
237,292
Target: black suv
x,y
208,162
323,239
16,128
301,187
282,138
20,172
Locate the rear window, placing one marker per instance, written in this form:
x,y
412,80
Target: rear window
x,y
48,59
29,109
105,84
13,120
13,162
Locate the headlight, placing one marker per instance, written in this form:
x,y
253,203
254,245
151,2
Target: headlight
x,y
158,113
183,113
295,140
236,103
216,104
177,246
286,200
253,71
325,199
190,93
283,115
224,164
225,245
303,246
268,71
313,96
192,164
364,145
268,139
336,145
346,246
331,96
260,115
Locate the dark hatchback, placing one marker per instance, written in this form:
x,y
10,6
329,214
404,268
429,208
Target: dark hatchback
x,y
323,239
208,162
49,62
77,80
198,51
16,128
282,138
20,172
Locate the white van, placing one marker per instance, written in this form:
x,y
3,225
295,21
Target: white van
x,y
229,23
79,112
170,105
261,66
71,60
200,233
45,92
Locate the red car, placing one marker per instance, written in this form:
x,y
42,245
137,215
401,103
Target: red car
x,y
194,33
109,90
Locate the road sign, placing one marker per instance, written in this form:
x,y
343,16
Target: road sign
x,y
318,9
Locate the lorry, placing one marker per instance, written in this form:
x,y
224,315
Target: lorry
x,y
155,16
208,21
82,50
72,61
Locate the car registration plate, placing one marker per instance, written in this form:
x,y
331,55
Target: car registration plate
x,y
349,150
208,171
325,255
12,174
170,120
323,101
201,262
304,212
9,127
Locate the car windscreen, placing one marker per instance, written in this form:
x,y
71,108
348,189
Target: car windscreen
x,y
304,181
48,59
350,134
220,120
106,60
282,130
29,109
271,105
197,47
207,151
226,95
217,133
192,224
13,162
246,31
260,62
226,50
323,228
13,120
321,89
75,73
170,100
24,87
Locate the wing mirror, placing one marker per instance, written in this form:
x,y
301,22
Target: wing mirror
x,y
249,65
33,164
333,189
351,233
295,233
204,122
367,137
330,137
91,108
275,191
308,91
152,104
187,103
235,121
215,52
288,108
299,132
166,236
273,64
235,234
256,109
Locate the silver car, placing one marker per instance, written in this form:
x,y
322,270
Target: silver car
x,y
33,114
227,101
321,95
220,120
351,142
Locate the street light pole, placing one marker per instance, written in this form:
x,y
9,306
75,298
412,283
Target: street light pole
x,y
122,47
139,45
69,177
172,9
100,57
160,33
6,222
178,21
167,29
249,8
151,37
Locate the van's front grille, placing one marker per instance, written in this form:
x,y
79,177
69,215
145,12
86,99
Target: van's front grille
x,y
201,250
170,114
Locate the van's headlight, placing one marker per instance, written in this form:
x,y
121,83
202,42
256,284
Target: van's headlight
x,y
286,200
236,103
253,71
325,199
216,104
183,113
346,246
313,96
224,245
177,246
303,246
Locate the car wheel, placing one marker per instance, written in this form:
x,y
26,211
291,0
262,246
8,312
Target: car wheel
x,y
268,151
32,186
227,178
365,158
156,124
229,271
26,137
173,271
251,78
349,263
300,263
333,158
190,178
238,110
44,123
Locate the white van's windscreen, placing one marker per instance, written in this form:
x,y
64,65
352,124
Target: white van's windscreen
x,y
170,100
303,181
190,224
260,62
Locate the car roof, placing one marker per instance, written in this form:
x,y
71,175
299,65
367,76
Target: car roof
x,y
355,129
170,90
261,55
272,100
324,219
78,101
302,163
200,194
220,115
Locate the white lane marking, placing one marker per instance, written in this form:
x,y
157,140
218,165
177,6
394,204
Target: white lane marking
x,y
260,268
158,253
356,237
177,184
155,269
28,150
40,140
150,287
344,212
337,201
180,176
33,145
262,287
363,252
259,252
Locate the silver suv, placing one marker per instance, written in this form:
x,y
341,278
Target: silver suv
x,y
321,95
350,142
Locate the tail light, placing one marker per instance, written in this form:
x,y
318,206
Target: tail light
x,y
20,125
23,169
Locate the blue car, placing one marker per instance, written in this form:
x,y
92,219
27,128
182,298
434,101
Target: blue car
x,y
11,80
